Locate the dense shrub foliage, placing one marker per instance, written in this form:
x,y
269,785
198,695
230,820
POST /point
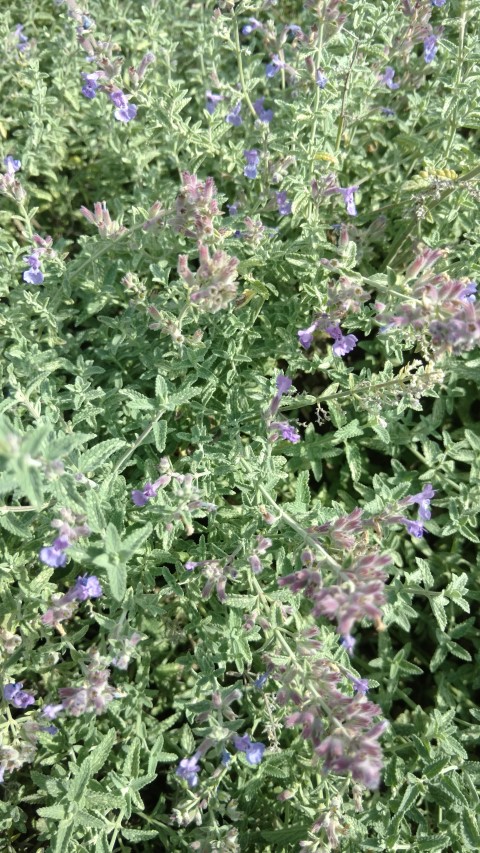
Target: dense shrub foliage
x,y
239,441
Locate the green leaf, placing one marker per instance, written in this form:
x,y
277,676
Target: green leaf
x,y
57,812
160,435
117,580
134,541
102,751
96,456
138,834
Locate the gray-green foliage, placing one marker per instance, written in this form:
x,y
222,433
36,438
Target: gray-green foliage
x,y
95,394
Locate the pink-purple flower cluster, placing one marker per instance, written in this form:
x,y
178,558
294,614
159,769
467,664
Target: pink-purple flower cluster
x,y
94,695
357,592
195,207
443,309
107,227
341,728
213,286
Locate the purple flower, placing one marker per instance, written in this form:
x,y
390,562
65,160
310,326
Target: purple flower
x,y
17,697
348,197
386,111
260,682
253,751
283,383
12,165
125,111
86,587
212,101
305,336
423,499
51,712
284,206
320,79
232,208
253,159
274,66
343,343
225,758
53,556
34,275
415,528
23,42
438,2
468,294
286,430
251,26
348,643
89,88
387,78
360,685
263,114
234,117
295,29
188,769
430,47
141,496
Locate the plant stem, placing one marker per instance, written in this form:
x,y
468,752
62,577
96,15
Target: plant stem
x,y
238,54
126,455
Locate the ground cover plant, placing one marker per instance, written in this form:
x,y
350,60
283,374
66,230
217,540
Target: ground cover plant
x,y
239,431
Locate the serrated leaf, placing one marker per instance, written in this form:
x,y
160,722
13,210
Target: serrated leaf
x,y
96,456
138,834
102,750
160,435
56,812
117,580
134,541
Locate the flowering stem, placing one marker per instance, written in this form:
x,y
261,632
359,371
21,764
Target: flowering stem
x,y
295,525
126,455
341,118
402,237
5,509
316,102
238,54
458,79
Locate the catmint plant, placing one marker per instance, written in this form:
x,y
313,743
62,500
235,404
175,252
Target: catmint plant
x,y
239,445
